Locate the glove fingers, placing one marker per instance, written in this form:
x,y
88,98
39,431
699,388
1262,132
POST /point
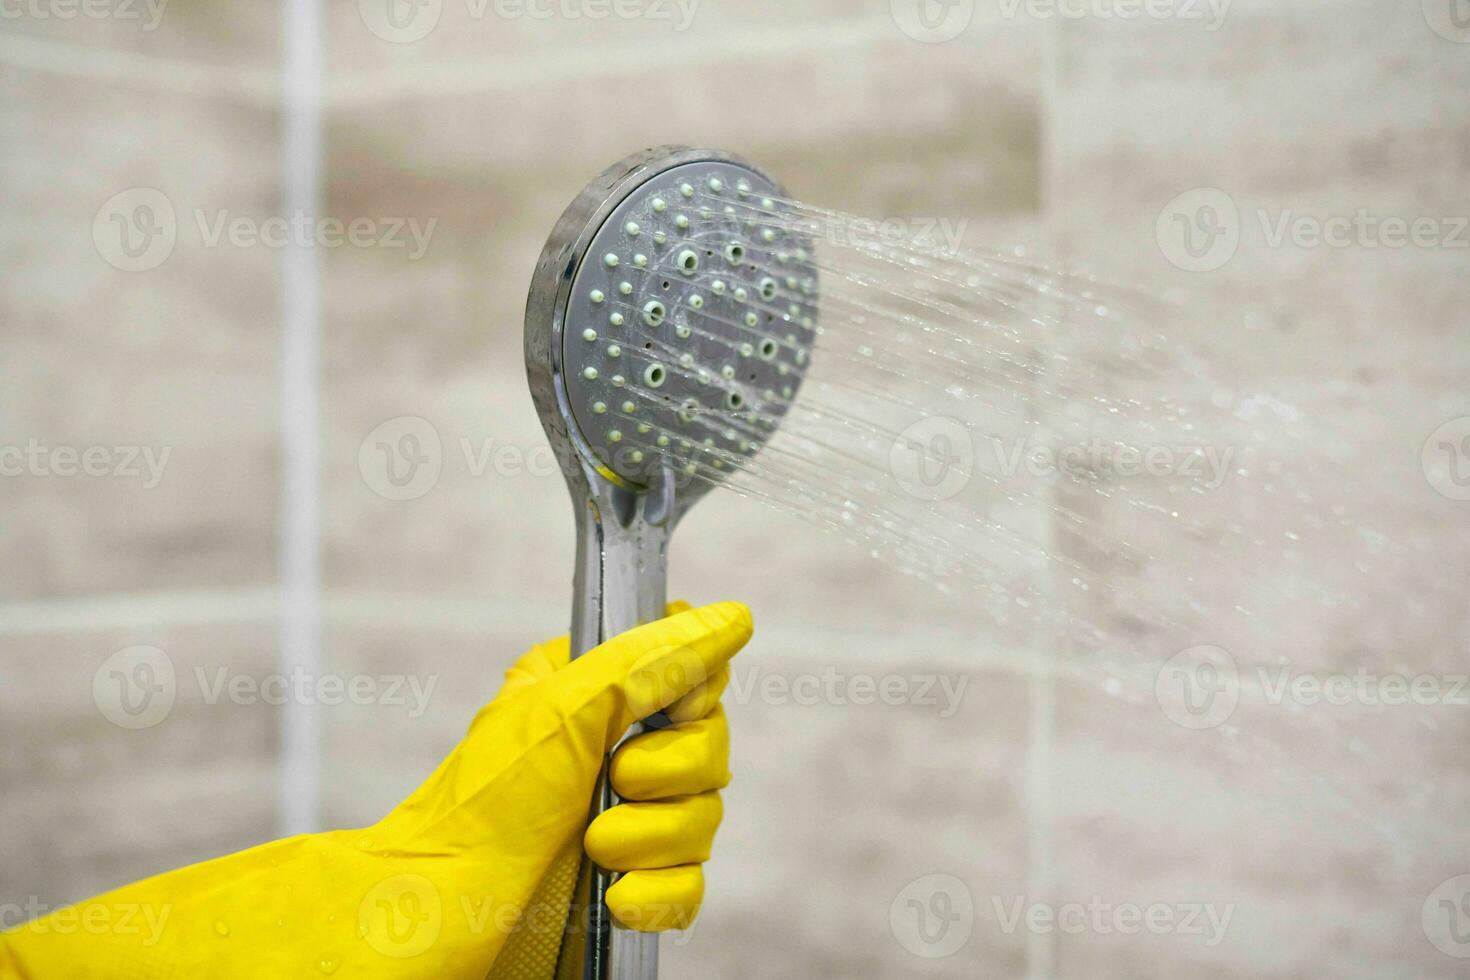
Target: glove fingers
x,y
682,760
652,666
641,836
653,901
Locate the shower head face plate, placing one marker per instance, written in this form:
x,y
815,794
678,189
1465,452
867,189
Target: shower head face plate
x,y
688,324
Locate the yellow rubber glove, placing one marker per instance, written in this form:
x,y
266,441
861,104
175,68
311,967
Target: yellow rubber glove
x,y
466,878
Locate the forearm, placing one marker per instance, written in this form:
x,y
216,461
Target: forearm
x,y
235,916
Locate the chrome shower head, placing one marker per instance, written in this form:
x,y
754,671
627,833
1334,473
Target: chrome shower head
x,y
669,322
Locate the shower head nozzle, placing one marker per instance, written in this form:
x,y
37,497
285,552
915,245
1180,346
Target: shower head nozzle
x,y
670,320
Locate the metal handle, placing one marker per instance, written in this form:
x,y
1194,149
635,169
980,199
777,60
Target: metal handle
x,y
621,582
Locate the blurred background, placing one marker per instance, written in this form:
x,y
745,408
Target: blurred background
x,y
234,452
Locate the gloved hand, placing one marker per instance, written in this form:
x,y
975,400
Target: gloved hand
x,y
468,876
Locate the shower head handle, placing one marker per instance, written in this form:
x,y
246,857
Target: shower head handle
x,y
645,299
621,572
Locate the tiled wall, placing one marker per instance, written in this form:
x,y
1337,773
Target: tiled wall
x,y
1321,836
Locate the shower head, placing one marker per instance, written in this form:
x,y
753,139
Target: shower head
x,y
669,323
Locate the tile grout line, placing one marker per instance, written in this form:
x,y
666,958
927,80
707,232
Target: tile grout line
x,y
364,609
299,805
1041,832
1040,952
458,76
99,63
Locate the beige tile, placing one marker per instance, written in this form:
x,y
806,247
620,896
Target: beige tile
x,y
177,359
211,38
1306,825
91,804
